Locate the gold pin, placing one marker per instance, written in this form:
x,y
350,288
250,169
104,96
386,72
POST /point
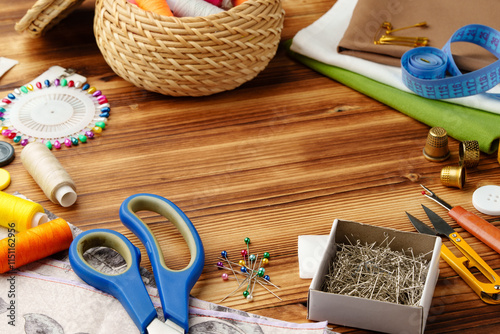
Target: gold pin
x,y
418,25
399,40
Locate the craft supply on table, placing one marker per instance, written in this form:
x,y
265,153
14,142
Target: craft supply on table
x,y
189,56
34,244
436,146
469,153
44,14
479,227
321,50
180,8
4,179
192,8
174,285
20,214
49,174
389,39
156,6
443,18
50,281
488,292
251,272
486,199
7,153
6,64
54,109
425,69
453,176
375,271
370,313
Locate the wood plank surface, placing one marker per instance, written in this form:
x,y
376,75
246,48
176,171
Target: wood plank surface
x,y
281,156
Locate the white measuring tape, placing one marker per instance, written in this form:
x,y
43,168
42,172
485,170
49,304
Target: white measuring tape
x,y
425,68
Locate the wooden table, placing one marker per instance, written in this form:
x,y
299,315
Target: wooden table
x,y
281,156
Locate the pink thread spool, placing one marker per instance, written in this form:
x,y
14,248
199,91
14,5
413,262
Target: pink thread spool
x,y
217,3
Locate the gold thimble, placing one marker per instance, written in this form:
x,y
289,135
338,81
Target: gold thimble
x,y
469,153
436,147
453,176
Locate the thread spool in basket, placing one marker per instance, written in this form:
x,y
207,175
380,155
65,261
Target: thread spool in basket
x,y
49,174
19,213
34,244
189,56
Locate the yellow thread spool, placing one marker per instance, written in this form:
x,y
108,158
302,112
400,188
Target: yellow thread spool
x,y
49,174
34,244
19,213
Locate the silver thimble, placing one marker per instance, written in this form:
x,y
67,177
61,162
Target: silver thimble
x,y
436,146
468,152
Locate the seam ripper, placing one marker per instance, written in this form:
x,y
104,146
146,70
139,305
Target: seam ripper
x,y
476,225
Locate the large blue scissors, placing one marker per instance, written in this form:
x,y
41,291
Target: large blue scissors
x,y
174,286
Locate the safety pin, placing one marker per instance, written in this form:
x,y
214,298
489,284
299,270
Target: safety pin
x,y
401,40
390,30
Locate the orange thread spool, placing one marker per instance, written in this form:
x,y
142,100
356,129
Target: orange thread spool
x,y
155,6
34,244
237,2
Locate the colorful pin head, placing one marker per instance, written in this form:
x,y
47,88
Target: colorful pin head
x,y
252,273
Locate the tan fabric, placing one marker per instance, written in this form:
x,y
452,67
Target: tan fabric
x,y
443,18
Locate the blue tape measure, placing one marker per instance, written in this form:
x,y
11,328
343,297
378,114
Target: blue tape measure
x,y
425,68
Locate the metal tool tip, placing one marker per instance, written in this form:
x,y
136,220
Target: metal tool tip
x,y
427,190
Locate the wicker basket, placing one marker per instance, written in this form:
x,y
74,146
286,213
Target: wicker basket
x,y
45,14
188,56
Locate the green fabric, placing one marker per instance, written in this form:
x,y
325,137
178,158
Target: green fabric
x,y
461,123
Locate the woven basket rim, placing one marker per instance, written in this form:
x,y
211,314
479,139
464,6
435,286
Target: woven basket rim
x,y
188,20
192,56
44,14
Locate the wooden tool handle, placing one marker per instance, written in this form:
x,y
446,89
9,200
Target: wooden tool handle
x,y
479,227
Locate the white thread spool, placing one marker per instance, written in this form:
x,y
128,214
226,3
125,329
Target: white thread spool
x,y
226,4
191,8
49,174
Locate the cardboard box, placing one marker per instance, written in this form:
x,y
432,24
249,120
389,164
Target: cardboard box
x,y
367,313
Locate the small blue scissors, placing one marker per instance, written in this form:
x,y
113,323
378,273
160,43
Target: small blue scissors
x,y
174,286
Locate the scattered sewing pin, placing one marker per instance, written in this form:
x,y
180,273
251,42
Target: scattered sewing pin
x,y
251,270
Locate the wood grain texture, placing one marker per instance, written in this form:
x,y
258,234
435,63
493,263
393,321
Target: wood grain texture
x,y
281,156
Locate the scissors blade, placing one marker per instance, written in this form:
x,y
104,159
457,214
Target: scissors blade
x,y
419,226
439,224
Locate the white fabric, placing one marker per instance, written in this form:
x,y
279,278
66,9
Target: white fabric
x,y
319,41
310,251
6,64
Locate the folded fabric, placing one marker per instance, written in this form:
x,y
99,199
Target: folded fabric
x,y
443,18
320,41
461,123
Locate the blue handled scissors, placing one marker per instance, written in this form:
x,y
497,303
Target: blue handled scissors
x,y
173,285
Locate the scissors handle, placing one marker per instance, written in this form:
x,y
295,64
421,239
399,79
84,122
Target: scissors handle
x,y
126,286
486,291
174,286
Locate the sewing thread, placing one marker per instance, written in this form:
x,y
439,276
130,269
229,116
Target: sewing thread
x,y
191,8
155,6
49,174
19,213
34,244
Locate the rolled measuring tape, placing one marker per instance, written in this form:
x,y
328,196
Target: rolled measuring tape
x,y
425,68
